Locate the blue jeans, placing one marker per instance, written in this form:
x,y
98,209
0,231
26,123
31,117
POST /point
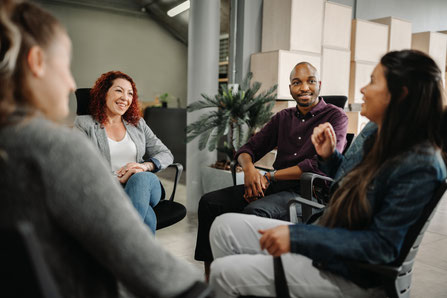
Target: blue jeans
x,y
144,190
273,205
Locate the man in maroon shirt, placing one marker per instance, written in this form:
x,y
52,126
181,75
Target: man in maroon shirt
x,y
289,131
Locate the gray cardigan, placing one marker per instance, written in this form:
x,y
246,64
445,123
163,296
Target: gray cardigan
x,y
91,234
149,147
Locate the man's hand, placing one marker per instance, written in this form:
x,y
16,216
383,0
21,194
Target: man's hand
x,y
324,140
276,240
254,183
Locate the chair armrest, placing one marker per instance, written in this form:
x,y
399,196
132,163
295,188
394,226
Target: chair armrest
x,y
233,165
306,212
307,182
178,173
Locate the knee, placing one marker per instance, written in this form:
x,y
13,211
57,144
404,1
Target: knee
x,y
223,229
221,272
218,227
204,204
257,210
144,178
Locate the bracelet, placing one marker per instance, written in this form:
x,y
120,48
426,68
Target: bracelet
x,y
267,177
272,175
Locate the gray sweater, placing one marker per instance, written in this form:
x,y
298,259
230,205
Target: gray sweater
x,y
147,144
91,234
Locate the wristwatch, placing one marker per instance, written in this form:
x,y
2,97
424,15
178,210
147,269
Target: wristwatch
x,y
272,175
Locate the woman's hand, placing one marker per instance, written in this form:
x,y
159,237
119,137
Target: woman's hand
x,y
144,167
123,179
276,240
324,140
131,168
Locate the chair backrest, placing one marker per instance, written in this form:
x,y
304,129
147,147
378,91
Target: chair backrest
x,y
340,101
396,276
416,232
336,100
82,99
24,271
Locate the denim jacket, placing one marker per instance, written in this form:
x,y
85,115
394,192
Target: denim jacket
x,y
397,197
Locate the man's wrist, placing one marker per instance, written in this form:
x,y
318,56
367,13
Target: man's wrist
x,y
267,177
272,175
249,168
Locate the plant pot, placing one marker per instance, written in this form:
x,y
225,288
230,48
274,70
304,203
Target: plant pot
x,y
214,179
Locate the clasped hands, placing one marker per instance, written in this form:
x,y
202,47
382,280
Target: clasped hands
x,y
131,168
255,184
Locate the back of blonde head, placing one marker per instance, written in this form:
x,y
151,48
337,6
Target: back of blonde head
x,y
22,26
10,40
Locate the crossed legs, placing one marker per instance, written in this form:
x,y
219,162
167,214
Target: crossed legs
x,y
144,190
240,267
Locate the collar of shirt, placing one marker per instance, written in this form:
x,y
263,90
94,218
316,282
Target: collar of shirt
x,y
315,110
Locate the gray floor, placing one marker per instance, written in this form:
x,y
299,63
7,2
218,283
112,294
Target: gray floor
x,y
430,269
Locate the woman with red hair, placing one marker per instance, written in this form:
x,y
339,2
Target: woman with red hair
x,y
126,142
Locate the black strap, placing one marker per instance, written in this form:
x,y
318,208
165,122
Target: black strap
x,y
281,287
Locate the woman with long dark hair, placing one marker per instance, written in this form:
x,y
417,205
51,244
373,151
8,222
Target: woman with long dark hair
x,y
380,188
123,138
53,178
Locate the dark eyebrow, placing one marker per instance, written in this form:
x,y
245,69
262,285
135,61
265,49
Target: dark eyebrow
x,y
131,90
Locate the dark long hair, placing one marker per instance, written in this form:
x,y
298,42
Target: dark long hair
x,y
22,26
411,118
98,93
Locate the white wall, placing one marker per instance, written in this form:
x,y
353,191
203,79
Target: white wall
x,y
425,15
132,43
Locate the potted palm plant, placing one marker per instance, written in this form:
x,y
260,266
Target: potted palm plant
x,y
235,116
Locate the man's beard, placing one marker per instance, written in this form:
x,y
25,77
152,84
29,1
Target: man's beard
x,y
306,104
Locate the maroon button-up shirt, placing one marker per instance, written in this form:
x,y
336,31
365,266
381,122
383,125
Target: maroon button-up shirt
x,y
289,131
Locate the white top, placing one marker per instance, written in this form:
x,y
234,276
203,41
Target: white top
x,y
122,152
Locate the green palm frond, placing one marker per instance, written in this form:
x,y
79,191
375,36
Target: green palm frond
x,y
229,112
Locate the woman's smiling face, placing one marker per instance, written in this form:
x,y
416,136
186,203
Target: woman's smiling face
x,y
119,97
376,96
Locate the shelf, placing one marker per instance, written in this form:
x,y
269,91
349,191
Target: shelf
x,y
221,63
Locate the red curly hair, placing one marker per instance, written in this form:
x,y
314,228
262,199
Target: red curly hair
x,y
97,105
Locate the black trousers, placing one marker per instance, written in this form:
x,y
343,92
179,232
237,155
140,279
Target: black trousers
x,y
227,200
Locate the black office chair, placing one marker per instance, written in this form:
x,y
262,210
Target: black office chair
x,y
168,212
24,271
336,100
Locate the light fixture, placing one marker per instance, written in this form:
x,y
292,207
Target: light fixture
x,y
178,9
